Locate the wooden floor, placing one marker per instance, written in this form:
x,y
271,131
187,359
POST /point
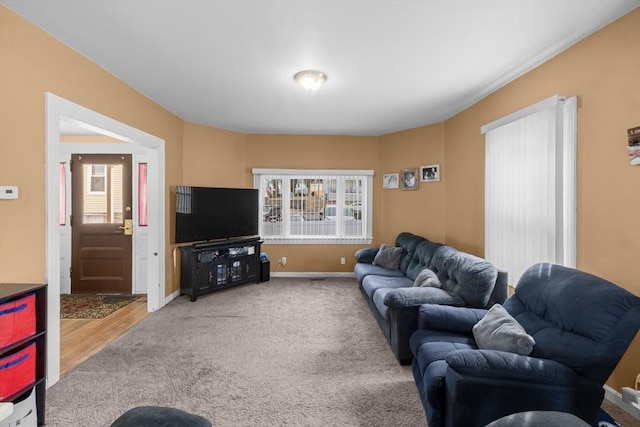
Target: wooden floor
x,y
80,338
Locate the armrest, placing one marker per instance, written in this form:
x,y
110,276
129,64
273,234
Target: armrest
x,y
416,295
366,255
403,323
446,318
498,365
501,289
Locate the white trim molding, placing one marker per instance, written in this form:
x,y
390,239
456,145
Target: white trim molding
x,y
616,398
58,109
312,274
527,111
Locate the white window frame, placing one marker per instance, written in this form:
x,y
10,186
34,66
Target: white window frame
x,y
341,176
91,174
531,187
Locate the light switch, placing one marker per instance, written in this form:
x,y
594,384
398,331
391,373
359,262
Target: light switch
x,y
8,192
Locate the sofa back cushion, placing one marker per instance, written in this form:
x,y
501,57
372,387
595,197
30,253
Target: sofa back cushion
x,y
422,258
408,242
578,319
466,275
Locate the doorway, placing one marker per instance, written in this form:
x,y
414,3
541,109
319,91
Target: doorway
x,y
151,259
102,223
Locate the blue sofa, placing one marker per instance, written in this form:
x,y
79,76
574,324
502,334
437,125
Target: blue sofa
x,y
580,326
466,281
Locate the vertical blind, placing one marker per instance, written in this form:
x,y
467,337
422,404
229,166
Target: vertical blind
x,y
530,187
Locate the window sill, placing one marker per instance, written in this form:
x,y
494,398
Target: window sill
x,y
312,241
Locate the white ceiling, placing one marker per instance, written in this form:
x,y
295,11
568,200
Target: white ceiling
x,y
391,64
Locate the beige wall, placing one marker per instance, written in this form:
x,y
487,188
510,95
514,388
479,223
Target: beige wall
x,y
214,157
32,63
602,71
418,211
315,152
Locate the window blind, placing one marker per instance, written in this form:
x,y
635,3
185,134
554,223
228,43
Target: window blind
x,y
530,187
307,206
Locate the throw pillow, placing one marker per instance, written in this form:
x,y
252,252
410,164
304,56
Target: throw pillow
x,y
388,257
498,330
427,278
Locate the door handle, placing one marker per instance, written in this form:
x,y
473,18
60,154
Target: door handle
x,y
128,227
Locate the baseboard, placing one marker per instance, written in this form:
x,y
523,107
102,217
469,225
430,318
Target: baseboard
x,y
171,297
306,274
176,294
616,398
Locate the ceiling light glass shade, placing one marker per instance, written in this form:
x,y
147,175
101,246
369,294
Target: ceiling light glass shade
x,y
310,79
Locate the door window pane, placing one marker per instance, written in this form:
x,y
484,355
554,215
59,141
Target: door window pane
x,y
142,194
106,206
62,203
97,179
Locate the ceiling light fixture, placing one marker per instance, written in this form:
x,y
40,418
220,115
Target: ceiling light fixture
x,y
310,79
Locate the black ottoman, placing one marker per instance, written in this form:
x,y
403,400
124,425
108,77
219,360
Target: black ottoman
x,y
158,416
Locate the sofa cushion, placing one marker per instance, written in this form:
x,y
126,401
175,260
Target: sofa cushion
x,y
388,257
371,283
430,346
499,331
362,270
422,258
466,275
427,278
439,261
409,242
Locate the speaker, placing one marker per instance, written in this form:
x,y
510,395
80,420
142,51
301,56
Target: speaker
x,y
265,268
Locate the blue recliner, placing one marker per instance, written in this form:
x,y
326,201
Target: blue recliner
x,y
581,324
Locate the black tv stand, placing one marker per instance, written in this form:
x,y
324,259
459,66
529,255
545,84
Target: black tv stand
x,y
235,241
211,266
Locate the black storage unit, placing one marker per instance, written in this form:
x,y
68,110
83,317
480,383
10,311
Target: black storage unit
x,y
207,267
35,339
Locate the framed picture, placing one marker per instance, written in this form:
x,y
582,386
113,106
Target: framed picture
x,y
634,145
409,179
390,180
430,173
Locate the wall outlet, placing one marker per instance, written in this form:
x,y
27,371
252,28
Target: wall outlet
x,y
343,261
283,260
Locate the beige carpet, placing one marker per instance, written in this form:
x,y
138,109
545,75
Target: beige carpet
x,y
288,352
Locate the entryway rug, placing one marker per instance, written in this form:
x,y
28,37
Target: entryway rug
x,y
81,306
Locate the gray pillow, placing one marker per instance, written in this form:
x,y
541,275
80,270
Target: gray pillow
x,y
427,278
388,257
499,331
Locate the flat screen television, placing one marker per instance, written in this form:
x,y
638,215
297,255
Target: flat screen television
x,y
205,213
